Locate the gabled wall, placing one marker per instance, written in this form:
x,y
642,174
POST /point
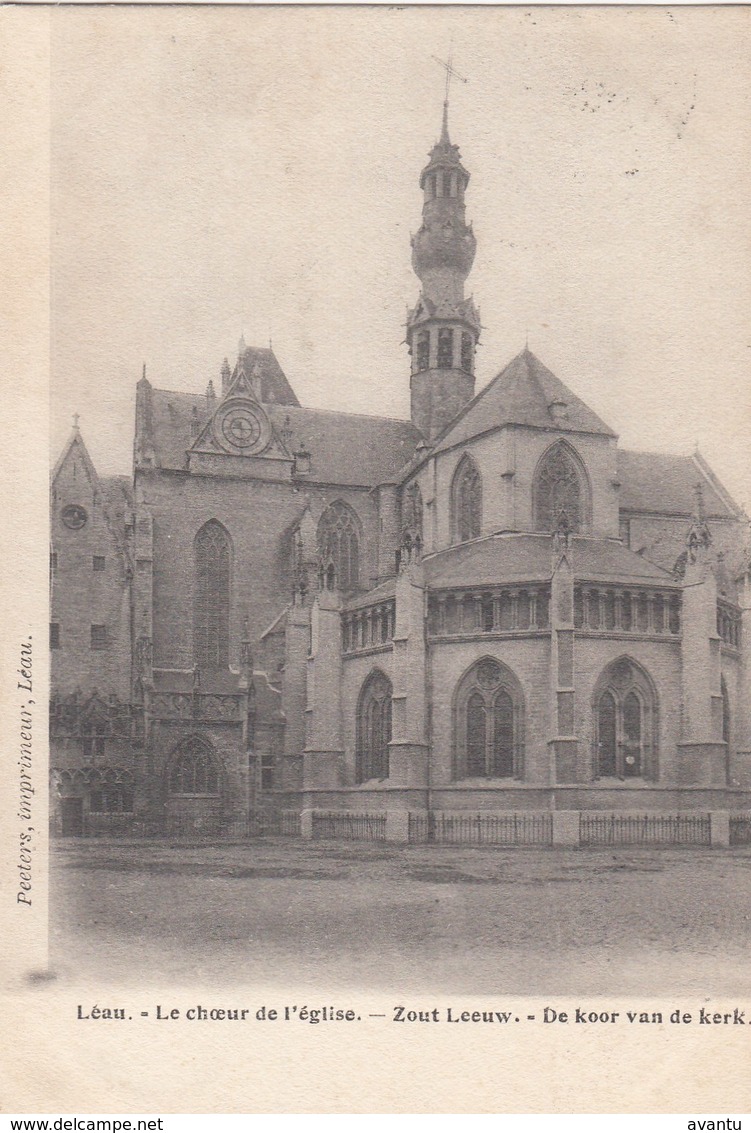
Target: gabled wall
x,y
507,460
82,597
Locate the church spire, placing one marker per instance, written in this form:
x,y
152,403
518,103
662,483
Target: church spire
x,y
444,327
445,141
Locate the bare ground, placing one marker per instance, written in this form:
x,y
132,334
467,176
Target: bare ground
x,y
458,919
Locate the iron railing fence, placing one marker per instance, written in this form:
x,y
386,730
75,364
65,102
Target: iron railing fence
x,y
596,829
257,824
522,828
349,826
512,828
740,829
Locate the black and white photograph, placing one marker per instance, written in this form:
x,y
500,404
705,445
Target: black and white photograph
x,y
399,548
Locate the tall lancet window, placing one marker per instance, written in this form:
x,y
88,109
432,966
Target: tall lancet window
x,y
559,490
489,717
625,715
211,597
467,501
339,545
374,728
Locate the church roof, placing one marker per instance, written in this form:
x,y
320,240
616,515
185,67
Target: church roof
x,y
379,593
345,448
512,558
274,384
524,393
349,448
664,483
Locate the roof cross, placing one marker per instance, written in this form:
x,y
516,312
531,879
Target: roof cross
x,y
451,73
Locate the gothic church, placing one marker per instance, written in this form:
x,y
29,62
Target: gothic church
x,y
490,607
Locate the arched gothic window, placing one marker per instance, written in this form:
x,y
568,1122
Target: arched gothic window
x,y
211,602
625,723
339,546
466,498
374,728
193,770
489,716
559,488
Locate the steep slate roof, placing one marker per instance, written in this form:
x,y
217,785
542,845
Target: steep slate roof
x,y
512,558
664,483
274,384
345,448
522,394
348,448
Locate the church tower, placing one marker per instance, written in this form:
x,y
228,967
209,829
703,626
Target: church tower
x,y
443,328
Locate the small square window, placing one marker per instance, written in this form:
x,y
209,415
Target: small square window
x,y
53,561
99,562
142,565
54,635
99,637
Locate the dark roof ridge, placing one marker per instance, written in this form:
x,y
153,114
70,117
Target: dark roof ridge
x,y
343,413
278,405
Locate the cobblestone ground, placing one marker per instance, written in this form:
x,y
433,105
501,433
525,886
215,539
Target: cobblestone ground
x,y
453,919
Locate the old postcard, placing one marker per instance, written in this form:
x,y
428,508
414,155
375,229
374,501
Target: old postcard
x,y
377,692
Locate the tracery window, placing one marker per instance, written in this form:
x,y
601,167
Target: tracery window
x,y
445,348
489,741
211,602
625,723
194,770
339,546
559,491
374,728
467,501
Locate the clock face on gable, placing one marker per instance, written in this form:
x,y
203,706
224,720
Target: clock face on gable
x,y
242,428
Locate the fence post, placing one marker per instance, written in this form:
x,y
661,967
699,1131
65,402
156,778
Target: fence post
x,y
565,827
397,826
719,828
306,824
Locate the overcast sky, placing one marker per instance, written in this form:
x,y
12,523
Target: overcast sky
x,y
218,171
